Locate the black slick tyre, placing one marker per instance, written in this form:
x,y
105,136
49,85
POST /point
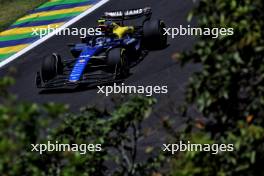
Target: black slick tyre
x,y
51,67
117,59
154,34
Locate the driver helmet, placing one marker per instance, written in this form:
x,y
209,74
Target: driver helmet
x,y
106,26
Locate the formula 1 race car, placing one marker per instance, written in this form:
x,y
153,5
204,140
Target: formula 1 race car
x,y
107,57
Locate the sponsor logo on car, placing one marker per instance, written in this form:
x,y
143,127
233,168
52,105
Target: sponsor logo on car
x,y
134,12
85,55
82,60
114,14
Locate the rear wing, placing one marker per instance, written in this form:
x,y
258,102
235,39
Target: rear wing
x,y
128,14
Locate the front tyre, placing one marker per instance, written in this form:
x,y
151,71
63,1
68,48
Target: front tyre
x,y
154,36
51,67
118,61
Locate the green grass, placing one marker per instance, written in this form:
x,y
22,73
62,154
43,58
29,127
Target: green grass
x,y
11,10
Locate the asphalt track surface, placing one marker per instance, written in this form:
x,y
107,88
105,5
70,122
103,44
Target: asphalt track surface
x,y
157,68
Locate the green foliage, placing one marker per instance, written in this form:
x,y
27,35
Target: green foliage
x,y
11,10
119,131
228,91
231,84
245,160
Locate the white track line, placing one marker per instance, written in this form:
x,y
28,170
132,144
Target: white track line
x,y
38,42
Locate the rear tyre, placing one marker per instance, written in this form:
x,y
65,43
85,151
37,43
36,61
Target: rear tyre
x,y
118,61
153,32
51,67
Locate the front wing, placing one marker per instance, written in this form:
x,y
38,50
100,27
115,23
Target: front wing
x,y
88,80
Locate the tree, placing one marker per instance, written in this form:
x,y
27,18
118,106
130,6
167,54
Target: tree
x,y
118,132
230,86
228,91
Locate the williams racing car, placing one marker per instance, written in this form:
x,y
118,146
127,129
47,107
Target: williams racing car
x,y
107,57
